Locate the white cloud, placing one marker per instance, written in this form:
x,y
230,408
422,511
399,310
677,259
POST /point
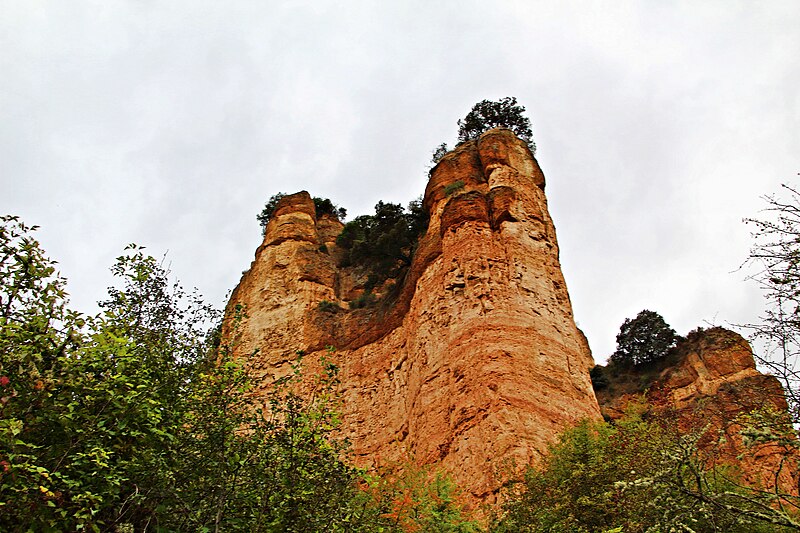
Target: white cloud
x,y
658,124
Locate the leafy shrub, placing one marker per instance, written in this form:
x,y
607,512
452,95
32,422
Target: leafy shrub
x,y
505,113
451,188
598,376
324,206
383,243
439,153
408,497
266,214
639,474
367,299
328,306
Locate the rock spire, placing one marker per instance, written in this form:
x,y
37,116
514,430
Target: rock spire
x,y
473,362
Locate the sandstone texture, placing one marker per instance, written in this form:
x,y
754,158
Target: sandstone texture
x,y
473,361
709,384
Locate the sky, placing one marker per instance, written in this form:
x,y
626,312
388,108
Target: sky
x,y
659,127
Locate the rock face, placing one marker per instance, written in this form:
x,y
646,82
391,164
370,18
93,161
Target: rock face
x,y
474,363
707,384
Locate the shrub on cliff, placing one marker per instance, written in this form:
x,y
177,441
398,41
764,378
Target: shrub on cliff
x,y
438,153
644,339
384,243
504,113
323,206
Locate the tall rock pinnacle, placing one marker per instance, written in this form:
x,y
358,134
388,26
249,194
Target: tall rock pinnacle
x,y
477,364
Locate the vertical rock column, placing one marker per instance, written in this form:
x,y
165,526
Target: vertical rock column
x,y
478,364
292,272
498,366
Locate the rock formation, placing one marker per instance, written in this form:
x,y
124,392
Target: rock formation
x,y
473,361
707,384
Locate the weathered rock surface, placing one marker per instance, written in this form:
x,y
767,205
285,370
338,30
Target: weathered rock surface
x,y
476,364
708,383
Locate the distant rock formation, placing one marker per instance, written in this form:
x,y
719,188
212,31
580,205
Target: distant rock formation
x,y
707,383
473,361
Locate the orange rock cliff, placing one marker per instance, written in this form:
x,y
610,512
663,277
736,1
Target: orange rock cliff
x,y
473,361
706,384
477,365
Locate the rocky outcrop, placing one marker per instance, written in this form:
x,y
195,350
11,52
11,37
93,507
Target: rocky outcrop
x,y
474,362
708,384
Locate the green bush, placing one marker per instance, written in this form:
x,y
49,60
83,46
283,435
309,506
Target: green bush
x,y
367,299
266,213
328,307
384,243
454,187
439,153
322,206
599,378
641,473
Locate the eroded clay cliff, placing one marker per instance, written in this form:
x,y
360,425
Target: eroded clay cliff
x,y
473,362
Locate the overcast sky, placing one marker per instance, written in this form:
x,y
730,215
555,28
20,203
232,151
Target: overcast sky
x,y
659,126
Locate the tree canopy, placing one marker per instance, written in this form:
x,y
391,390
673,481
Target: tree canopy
x,y
384,243
644,339
504,113
139,419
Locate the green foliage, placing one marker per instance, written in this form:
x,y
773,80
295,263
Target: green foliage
x,y
323,206
140,419
438,153
97,420
327,306
270,467
454,187
411,498
266,214
644,339
598,376
384,243
640,474
504,113
367,299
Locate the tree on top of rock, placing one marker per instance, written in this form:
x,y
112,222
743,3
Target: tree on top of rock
x,y
505,113
644,339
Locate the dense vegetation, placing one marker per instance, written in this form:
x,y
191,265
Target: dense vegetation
x,y
139,420
384,243
642,473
